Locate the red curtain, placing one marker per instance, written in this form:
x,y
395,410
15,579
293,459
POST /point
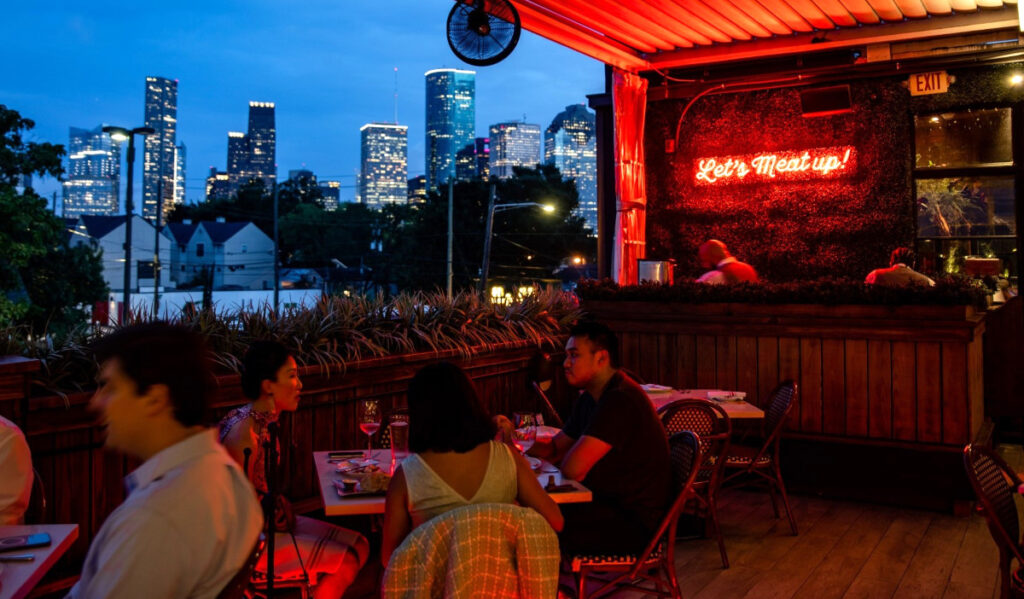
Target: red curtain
x,y
629,102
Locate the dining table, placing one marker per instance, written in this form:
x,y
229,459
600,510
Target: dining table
x,y
733,402
18,574
333,467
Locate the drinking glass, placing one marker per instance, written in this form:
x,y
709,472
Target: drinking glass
x,y
369,421
526,430
398,423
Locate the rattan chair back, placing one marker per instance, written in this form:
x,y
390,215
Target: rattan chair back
x,y
995,485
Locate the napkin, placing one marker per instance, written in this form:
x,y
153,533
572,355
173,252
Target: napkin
x,y
727,395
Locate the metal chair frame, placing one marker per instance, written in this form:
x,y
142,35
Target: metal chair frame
x,y
995,484
783,398
711,422
659,554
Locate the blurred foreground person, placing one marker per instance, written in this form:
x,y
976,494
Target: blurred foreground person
x,y
15,473
190,519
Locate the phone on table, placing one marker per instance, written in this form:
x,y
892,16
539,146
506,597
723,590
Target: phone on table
x,y
41,539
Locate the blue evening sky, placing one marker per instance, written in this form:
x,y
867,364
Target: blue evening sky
x,y
328,66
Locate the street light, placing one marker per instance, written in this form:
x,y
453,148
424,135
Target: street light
x,y
120,134
492,207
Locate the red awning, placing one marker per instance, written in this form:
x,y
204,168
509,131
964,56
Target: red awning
x,y
640,35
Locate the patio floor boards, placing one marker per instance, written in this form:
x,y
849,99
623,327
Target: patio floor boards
x,y
844,550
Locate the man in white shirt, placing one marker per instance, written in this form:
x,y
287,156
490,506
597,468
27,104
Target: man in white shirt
x,y
191,517
899,274
16,477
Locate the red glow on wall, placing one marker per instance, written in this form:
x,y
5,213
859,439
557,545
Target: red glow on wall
x,y
815,163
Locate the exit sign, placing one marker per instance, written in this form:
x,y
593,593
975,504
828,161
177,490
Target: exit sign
x,y
935,82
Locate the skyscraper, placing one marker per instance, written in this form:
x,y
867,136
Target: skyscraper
x,y
238,161
158,157
179,174
330,195
93,174
473,160
262,138
418,189
451,121
513,144
570,144
384,161
218,185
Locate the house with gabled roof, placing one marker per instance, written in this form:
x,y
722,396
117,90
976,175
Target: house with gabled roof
x,y
107,234
238,255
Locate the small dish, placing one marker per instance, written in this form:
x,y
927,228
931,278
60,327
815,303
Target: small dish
x,y
535,463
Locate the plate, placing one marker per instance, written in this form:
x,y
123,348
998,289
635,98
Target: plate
x,y
535,463
727,395
342,493
649,388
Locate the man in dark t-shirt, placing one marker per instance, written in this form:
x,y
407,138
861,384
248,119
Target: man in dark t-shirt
x,y
614,444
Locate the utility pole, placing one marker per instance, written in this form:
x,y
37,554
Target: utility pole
x,y
487,241
277,278
450,229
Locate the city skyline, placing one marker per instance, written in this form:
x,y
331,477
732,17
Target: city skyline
x,y
328,68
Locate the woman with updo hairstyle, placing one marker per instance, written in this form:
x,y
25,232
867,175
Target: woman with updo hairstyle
x,y
330,556
454,460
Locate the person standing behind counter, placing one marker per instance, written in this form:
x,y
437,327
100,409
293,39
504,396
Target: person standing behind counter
x,y
725,268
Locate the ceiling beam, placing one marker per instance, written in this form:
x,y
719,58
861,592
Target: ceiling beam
x,y
842,38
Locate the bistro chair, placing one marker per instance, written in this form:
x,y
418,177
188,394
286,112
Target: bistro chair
x,y
510,550
995,484
656,563
763,462
710,421
541,372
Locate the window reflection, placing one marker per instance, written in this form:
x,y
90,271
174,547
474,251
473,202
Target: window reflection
x,y
965,206
963,139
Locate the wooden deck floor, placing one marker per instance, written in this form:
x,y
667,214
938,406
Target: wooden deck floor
x,y
844,550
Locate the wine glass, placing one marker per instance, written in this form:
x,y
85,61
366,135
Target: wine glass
x,y
525,433
369,421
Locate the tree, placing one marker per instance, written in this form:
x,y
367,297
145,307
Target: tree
x,y
528,245
43,281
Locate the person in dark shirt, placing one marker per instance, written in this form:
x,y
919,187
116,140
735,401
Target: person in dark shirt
x,y
614,444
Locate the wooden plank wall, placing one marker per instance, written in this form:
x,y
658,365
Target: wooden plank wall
x,y
861,387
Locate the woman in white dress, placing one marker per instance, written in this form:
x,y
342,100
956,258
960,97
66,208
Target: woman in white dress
x,y
329,555
454,460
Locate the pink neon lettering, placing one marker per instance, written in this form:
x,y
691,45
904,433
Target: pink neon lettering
x,y
786,165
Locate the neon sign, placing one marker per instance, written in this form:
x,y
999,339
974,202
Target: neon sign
x,y
815,163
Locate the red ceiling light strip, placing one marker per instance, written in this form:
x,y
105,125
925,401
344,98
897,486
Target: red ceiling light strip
x,y
794,165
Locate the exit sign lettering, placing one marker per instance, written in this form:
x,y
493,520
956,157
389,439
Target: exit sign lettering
x,y
935,82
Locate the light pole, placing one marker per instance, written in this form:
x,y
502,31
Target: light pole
x,y
493,207
121,134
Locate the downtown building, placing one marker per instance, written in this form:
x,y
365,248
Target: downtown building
x,y
570,144
383,164
93,174
513,144
474,160
253,155
158,158
451,121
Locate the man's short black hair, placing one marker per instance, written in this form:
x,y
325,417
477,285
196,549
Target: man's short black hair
x,y
600,336
158,353
445,412
903,255
261,363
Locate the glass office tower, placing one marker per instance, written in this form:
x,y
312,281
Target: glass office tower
x,y
384,164
570,144
451,121
158,157
262,138
93,175
513,144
